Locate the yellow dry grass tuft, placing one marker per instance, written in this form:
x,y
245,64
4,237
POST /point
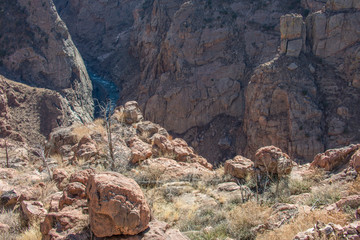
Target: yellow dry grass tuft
x,y
32,233
246,216
303,222
81,130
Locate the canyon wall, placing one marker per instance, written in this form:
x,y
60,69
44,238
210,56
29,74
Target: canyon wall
x,y
230,76
37,50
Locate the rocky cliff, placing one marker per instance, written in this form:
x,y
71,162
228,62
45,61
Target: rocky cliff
x,y
37,49
189,65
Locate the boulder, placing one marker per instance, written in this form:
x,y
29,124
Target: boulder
x,y
239,167
338,5
334,158
82,176
132,112
352,201
59,177
116,205
61,225
86,148
33,210
9,199
73,193
139,149
272,160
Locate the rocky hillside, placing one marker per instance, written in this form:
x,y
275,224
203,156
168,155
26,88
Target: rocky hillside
x,y
37,49
127,178
189,65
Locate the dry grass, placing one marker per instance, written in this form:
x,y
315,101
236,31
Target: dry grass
x,y
166,212
48,189
324,195
11,218
81,130
246,216
354,188
32,233
303,222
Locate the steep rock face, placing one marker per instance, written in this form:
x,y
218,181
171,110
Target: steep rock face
x,y
282,109
101,31
333,34
37,49
195,62
29,113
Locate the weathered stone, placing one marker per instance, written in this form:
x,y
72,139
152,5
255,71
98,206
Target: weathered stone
x,y
334,158
33,210
132,112
60,225
139,149
239,167
116,205
271,159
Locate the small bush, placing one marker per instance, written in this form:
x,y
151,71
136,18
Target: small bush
x,y
245,217
324,195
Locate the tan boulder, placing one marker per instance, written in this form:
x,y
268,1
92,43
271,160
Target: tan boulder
x,y
33,211
116,205
132,112
333,158
139,149
239,167
271,159
86,148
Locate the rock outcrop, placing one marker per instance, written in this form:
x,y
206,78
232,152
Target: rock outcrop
x,y
37,49
282,109
330,231
334,158
293,34
116,205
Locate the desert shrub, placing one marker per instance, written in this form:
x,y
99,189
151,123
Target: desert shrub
x,y
324,195
246,216
202,218
302,222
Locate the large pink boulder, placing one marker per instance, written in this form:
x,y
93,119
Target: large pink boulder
x,y
272,160
116,205
239,167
